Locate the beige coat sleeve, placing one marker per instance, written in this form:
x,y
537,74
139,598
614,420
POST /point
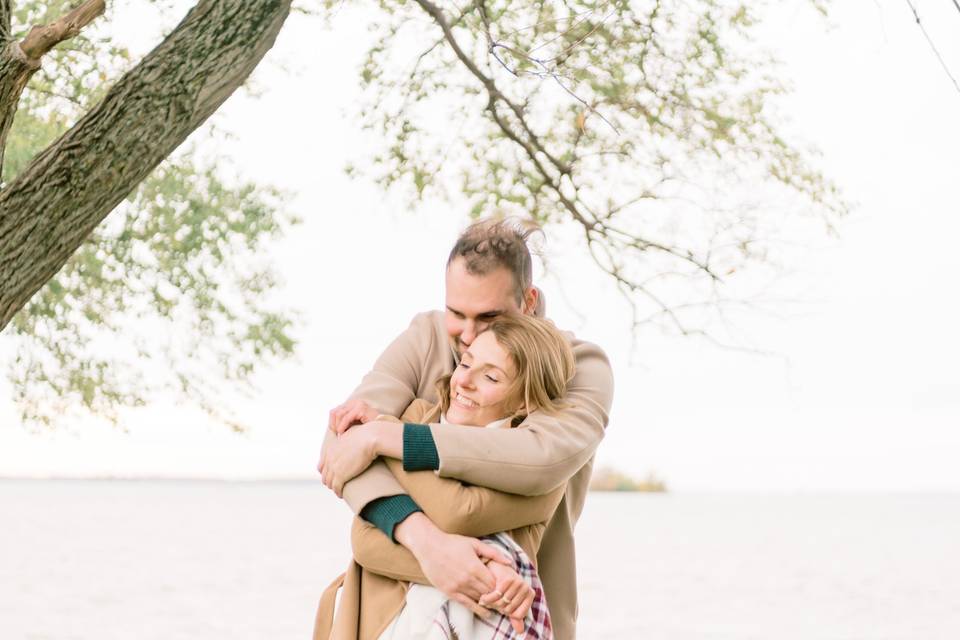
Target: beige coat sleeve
x,y
375,552
470,510
548,450
389,387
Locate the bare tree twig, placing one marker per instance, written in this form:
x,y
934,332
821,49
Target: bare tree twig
x,y
933,46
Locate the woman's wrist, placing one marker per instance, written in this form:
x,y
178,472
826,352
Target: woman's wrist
x,y
388,439
415,533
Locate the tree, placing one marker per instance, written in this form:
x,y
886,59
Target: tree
x,y
650,129
67,278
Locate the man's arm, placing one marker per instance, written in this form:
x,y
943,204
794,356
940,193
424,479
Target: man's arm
x,y
389,387
471,510
453,506
457,509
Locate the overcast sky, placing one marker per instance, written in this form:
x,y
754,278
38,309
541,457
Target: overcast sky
x,y
864,394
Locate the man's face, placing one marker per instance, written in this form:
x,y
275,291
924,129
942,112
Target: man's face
x,y
474,301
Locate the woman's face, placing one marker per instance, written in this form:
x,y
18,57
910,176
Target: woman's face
x,y
480,384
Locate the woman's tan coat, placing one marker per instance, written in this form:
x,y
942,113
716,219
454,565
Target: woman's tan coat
x,y
375,583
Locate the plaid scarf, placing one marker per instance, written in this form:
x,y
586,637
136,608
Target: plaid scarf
x,y
497,627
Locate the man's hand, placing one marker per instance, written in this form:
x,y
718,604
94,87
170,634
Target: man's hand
x,y
512,596
346,456
452,563
350,413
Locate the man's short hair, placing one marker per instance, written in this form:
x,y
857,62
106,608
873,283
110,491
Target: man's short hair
x,y
488,245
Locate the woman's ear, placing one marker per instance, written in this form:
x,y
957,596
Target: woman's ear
x,y
527,409
520,413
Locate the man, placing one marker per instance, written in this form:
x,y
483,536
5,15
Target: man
x,y
489,273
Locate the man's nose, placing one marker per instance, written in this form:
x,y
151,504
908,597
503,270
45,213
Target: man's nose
x,y
469,333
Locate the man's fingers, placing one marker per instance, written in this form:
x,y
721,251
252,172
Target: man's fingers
x,y
365,413
517,624
354,416
491,553
347,417
474,585
472,605
491,599
484,580
481,579
334,417
343,421
476,588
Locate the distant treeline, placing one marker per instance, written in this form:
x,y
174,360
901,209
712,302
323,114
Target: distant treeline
x,y
608,479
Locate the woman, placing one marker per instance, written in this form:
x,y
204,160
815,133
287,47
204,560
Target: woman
x,y
519,365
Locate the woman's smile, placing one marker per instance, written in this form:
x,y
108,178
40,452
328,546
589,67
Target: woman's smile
x,y
480,387
464,401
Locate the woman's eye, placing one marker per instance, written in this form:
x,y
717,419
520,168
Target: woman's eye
x,y
492,379
463,365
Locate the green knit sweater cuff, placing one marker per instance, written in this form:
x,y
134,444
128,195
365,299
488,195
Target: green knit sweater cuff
x,y
386,513
419,449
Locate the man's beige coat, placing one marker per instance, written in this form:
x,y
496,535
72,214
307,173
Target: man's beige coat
x,y
547,453
374,585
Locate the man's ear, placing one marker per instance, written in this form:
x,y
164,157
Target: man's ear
x,y
530,301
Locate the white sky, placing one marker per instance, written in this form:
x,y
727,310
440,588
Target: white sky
x,y
866,396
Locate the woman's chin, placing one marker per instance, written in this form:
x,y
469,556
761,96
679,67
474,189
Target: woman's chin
x,y
456,415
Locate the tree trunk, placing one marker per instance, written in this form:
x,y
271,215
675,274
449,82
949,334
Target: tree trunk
x,y
68,189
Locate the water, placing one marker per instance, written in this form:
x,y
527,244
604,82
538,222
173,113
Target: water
x,y
205,560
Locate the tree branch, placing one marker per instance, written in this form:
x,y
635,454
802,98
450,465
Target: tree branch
x,y
512,121
6,12
15,71
43,38
53,205
20,60
437,14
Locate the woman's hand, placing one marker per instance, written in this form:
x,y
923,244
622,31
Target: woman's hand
x,y
346,456
512,596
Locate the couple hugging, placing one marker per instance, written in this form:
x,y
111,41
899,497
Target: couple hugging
x,y
466,504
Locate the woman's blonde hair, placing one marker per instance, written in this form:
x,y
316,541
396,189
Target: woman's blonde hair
x,y
543,360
